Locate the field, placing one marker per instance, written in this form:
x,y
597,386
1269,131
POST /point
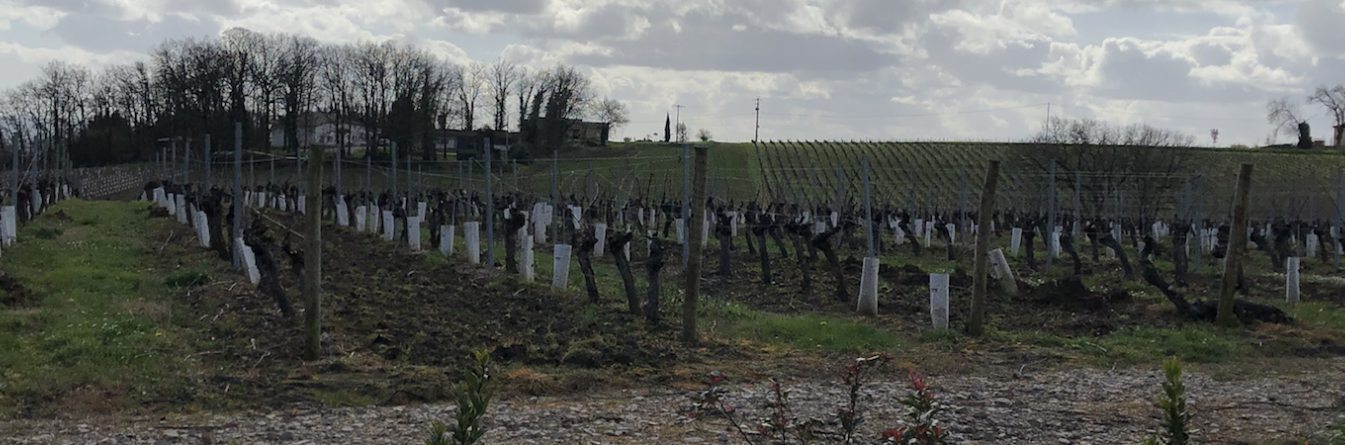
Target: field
x,y
112,307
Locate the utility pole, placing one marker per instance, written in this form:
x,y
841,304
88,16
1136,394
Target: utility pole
x,y
678,129
756,134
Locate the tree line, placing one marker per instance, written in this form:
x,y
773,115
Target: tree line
x,y
71,115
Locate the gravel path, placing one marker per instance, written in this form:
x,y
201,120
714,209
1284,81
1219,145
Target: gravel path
x,y
1077,406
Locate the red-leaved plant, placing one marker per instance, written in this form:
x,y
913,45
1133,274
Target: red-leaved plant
x,y
855,375
782,426
922,408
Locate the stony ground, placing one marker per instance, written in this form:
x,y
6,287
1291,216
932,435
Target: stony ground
x,y
1076,406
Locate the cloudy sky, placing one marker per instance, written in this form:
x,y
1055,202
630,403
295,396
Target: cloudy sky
x,y
824,69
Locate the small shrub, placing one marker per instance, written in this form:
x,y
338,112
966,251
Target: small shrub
x,y
474,395
1176,419
186,278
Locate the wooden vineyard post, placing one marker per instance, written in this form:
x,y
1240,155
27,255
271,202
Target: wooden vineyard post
x,y
238,196
1049,233
313,256
490,206
693,274
1237,244
209,164
976,322
686,203
1336,220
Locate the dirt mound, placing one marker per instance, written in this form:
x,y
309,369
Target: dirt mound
x,y
13,295
1071,292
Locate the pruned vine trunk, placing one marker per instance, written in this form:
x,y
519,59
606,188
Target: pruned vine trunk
x,y
823,243
584,254
653,267
616,245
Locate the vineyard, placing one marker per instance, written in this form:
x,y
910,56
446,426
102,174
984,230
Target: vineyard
x,y
575,264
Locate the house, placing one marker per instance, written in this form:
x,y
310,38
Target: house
x,y
320,129
467,144
581,132
595,133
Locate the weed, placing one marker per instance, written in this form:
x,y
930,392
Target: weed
x,y
1332,435
587,317
186,278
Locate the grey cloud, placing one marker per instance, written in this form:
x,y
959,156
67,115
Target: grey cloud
x,y
710,43
1210,54
995,69
107,8
887,16
1130,74
528,7
99,34
76,6
1319,22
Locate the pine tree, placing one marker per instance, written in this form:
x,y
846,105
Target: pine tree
x,y
667,129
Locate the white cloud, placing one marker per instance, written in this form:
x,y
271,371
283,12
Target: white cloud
x,y
825,68
38,17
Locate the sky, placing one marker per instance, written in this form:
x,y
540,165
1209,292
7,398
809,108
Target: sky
x,y
822,69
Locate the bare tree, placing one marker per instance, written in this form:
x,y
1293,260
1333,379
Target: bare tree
x,y
1214,136
704,135
1284,116
564,94
612,112
471,80
1333,99
297,74
681,132
373,80
524,88
503,77
337,86
1138,158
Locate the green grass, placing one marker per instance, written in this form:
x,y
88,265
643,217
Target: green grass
x,y
813,332
1317,314
1190,344
100,325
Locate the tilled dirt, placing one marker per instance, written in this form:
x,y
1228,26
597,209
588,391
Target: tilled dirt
x,y
1076,406
398,328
